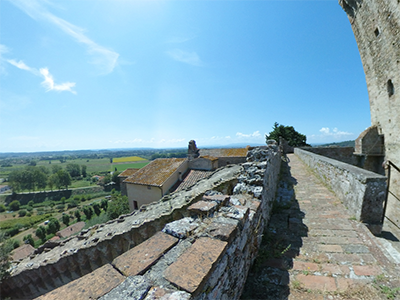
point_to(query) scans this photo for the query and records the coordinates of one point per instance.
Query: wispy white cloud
(21, 65)
(330, 134)
(325, 131)
(104, 58)
(49, 84)
(255, 134)
(190, 58)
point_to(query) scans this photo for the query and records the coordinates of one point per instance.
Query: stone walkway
(319, 251)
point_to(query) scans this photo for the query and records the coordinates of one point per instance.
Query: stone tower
(376, 27)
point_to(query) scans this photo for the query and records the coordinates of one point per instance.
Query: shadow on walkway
(282, 239)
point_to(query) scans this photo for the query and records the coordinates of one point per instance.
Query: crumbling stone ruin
(208, 235)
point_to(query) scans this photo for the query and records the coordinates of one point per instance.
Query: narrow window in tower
(376, 31)
(390, 88)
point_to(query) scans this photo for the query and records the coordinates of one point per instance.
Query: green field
(127, 159)
(123, 167)
(93, 165)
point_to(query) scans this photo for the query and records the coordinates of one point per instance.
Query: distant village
(166, 175)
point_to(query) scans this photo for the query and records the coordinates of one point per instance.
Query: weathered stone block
(181, 228)
(220, 199)
(193, 267)
(134, 287)
(90, 286)
(160, 293)
(137, 260)
(203, 207)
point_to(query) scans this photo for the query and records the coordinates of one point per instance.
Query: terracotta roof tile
(212, 158)
(71, 229)
(224, 152)
(156, 172)
(22, 252)
(192, 178)
(128, 172)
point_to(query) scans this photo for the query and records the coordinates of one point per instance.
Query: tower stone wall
(376, 27)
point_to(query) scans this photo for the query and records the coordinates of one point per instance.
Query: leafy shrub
(14, 205)
(2, 208)
(119, 205)
(22, 213)
(28, 239)
(53, 226)
(24, 221)
(72, 204)
(60, 207)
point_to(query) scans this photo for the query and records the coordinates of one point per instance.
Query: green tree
(115, 177)
(88, 211)
(41, 233)
(106, 179)
(6, 246)
(64, 179)
(104, 204)
(66, 219)
(55, 168)
(74, 170)
(28, 239)
(96, 208)
(14, 205)
(53, 181)
(22, 213)
(53, 226)
(40, 179)
(77, 214)
(15, 180)
(118, 205)
(294, 138)
(2, 208)
(84, 173)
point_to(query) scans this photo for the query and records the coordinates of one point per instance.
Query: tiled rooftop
(156, 172)
(212, 158)
(224, 152)
(70, 230)
(128, 172)
(193, 177)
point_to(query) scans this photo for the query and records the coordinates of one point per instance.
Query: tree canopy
(294, 138)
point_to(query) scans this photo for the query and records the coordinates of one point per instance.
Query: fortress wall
(38, 197)
(376, 27)
(362, 192)
(230, 230)
(343, 154)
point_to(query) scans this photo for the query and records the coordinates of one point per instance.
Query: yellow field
(127, 159)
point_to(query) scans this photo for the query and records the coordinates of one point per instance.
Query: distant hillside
(341, 144)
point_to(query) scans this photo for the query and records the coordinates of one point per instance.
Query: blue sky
(123, 74)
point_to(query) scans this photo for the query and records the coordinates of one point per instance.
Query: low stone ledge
(90, 286)
(362, 192)
(137, 260)
(192, 268)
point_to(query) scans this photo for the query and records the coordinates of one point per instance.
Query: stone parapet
(148, 248)
(361, 191)
(204, 256)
